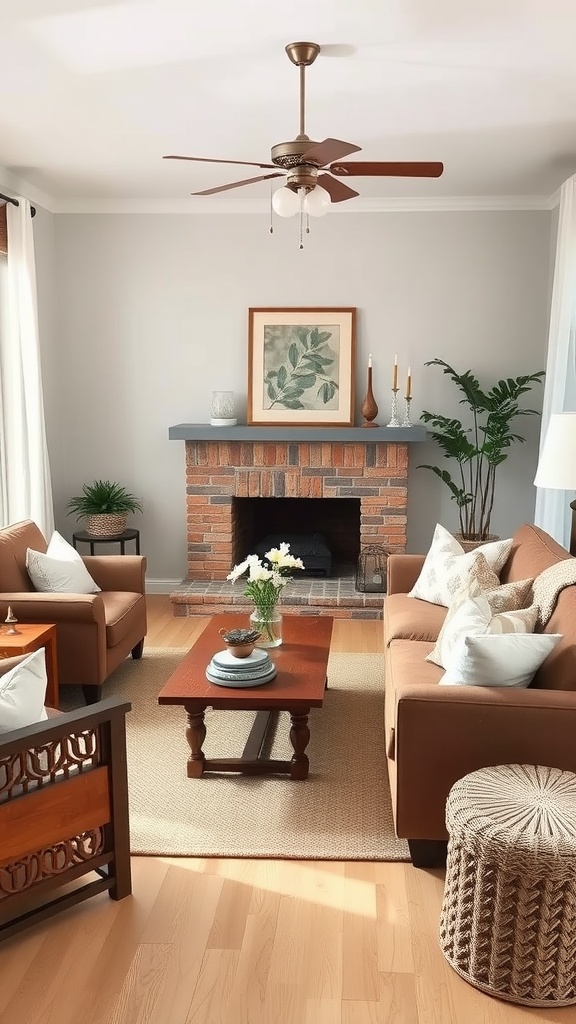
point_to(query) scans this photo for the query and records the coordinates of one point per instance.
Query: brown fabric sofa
(437, 734)
(95, 632)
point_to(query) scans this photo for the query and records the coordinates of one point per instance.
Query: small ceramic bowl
(240, 642)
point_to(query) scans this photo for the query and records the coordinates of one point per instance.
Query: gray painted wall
(148, 314)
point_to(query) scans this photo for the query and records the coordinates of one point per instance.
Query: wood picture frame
(301, 366)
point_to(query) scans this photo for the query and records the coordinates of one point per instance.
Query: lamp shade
(557, 464)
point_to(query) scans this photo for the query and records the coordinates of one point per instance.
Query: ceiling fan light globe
(285, 202)
(317, 202)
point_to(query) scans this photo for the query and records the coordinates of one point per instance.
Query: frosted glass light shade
(557, 464)
(317, 202)
(285, 202)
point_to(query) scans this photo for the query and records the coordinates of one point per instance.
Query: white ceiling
(92, 96)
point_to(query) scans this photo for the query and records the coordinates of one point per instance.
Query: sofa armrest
(402, 572)
(118, 572)
(32, 606)
(444, 732)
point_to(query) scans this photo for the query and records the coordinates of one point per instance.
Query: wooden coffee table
(299, 685)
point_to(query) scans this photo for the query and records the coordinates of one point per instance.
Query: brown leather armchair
(95, 632)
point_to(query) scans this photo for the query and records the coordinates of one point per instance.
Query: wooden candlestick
(369, 409)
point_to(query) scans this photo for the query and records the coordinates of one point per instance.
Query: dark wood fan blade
(387, 169)
(325, 152)
(236, 184)
(209, 160)
(337, 189)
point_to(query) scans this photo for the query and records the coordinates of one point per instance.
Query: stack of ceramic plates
(226, 670)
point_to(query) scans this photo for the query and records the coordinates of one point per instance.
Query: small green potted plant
(479, 448)
(105, 507)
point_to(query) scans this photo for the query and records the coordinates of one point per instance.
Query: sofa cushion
(447, 566)
(60, 570)
(407, 618)
(22, 693)
(505, 659)
(122, 612)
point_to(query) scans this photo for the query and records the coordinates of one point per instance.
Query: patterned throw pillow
(446, 566)
(472, 615)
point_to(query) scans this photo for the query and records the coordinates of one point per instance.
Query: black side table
(118, 538)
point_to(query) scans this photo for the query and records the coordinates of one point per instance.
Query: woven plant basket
(508, 920)
(471, 545)
(107, 524)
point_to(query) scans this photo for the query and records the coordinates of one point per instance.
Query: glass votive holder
(222, 409)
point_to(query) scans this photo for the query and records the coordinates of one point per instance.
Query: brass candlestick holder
(394, 421)
(369, 409)
(10, 621)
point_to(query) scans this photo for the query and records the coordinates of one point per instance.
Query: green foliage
(480, 448)
(102, 496)
(305, 368)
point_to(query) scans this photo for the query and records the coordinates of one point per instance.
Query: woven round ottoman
(508, 919)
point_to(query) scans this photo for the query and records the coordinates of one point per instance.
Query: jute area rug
(341, 812)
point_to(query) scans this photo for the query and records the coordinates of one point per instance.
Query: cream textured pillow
(22, 693)
(61, 570)
(446, 566)
(507, 598)
(471, 615)
(508, 659)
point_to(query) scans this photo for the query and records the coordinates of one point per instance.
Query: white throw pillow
(472, 615)
(447, 565)
(22, 693)
(507, 659)
(61, 570)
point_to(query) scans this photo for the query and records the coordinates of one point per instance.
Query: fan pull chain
(302, 194)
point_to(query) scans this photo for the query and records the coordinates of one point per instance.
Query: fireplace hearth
(354, 489)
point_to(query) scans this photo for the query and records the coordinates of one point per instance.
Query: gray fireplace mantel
(356, 435)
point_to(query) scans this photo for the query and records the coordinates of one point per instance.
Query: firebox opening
(337, 520)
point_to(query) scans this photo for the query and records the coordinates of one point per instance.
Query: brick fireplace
(350, 463)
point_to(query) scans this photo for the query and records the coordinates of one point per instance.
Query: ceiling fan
(306, 163)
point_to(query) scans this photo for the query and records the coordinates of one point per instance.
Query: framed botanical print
(301, 366)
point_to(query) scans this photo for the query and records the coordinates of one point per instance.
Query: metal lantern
(371, 571)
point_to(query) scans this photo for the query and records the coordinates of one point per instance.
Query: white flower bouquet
(265, 584)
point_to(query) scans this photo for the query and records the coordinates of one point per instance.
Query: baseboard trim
(162, 586)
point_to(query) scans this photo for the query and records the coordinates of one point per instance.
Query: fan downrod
(302, 53)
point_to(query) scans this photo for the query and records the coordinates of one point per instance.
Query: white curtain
(25, 474)
(553, 511)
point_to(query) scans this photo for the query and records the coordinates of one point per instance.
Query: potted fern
(478, 449)
(105, 506)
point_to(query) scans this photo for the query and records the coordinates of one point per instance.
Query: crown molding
(209, 206)
(12, 183)
(200, 206)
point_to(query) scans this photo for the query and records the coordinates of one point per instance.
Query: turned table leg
(195, 734)
(299, 738)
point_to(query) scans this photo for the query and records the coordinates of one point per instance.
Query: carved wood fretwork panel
(28, 871)
(45, 764)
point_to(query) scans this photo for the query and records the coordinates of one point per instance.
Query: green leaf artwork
(301, 367)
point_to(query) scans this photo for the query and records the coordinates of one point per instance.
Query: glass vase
(269, 622)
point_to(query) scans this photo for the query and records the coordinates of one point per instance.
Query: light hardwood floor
(250, 941)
